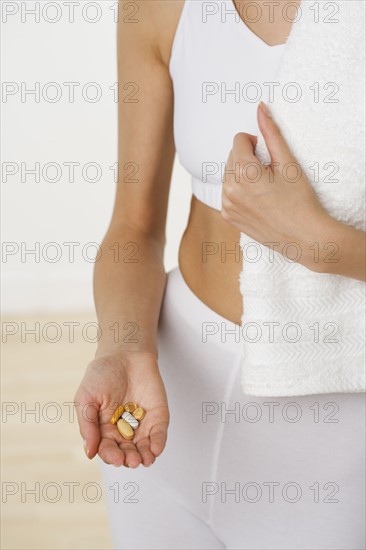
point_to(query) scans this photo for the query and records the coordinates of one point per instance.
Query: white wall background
(50, 128)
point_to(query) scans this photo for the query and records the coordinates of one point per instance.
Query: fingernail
(85, 448)
(265, 109)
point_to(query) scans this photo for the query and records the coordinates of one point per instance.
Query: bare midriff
(210, 261)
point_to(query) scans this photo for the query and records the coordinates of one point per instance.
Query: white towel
(304, 332)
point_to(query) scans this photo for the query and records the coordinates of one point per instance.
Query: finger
(230, 162)
(88, 419)
(143, 446)
(132, 456)
(276, 143)
(110, 452)
(243, 147)
(158, 437)
(245, 164)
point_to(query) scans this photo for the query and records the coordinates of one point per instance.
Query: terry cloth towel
(304, 332)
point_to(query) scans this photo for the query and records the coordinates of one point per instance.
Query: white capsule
(131, 420)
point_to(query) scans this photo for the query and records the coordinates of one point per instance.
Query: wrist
(132, 339)
(127, 354)
(321, 250)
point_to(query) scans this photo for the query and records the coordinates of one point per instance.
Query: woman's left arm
(282, 212)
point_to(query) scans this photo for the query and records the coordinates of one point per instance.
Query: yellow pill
(125, 429)
(139, 413)
(117, 414)
(130, 407)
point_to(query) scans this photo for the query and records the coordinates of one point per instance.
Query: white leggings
(238, 471)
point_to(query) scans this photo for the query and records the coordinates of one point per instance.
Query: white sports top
(221, 70)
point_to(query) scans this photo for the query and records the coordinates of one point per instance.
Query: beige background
(38, 450)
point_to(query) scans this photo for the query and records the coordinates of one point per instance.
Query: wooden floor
(42, 455)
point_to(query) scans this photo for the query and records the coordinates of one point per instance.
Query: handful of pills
(127, 418)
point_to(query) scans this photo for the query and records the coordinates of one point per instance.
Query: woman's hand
(275, 203)
(113, 380)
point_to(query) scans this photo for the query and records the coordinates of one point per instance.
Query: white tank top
(221, 70)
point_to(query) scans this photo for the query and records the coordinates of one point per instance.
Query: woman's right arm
(129, 277)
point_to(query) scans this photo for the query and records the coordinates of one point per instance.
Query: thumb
(87, 411)
(275, 142)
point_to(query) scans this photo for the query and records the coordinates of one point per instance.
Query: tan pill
(117, 414)
(125, 429)
(130, 407)
(139, 413)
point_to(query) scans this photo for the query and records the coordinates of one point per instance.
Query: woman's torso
(219, 64)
